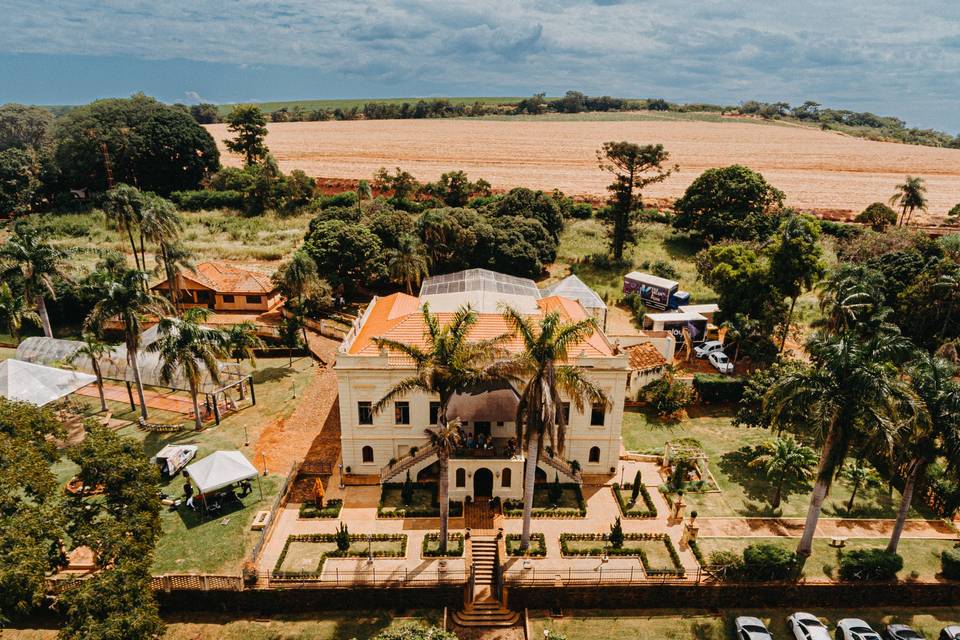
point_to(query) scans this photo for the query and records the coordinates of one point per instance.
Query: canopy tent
(496, 402)
(220, 469)
(115, 366)
(37, 384)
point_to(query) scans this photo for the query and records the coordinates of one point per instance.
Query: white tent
(220, 469)
(37, 384)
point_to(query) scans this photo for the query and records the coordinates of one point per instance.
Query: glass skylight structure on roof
(479, 280)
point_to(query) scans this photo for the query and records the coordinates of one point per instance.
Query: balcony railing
(494, 448)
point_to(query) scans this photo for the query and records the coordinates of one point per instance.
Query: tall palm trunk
(529, 481)
(917, 465)
(853, 496)
(96, 371)
(444, 495)
(133, 247)
(132, 359)
(825, 471)
(44, 317)
(786, 328)
(778, 494)
(197, 422)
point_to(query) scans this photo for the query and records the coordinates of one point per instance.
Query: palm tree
(128, 299)
(860, 475)
(850, 390)
(187, 349)
(408, 265)
(298, 280)
(546, 382)
(851, 301)
(160, 223)
(445, 438)
(173, 259)
(14, 312)
(94, 349)
(363, 193)
(784, 458)
(25, 255)
(910, 196)
(124, 207)
(241, 340)
(934, 381)
(450, 363)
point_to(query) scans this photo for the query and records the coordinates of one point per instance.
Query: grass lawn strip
(302, 550)
(655, 550)
(537, 549)
(331, 509)
(430, 548)
(423, 502)
(570, 505)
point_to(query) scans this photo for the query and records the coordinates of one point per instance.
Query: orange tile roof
(644, 357)
(224, 277)
(398, 317)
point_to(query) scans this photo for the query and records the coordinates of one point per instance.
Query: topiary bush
(715, 387)
(950, 563)
(768, 562)
(870, 564)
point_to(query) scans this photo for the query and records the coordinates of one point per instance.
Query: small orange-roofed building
(224, 287)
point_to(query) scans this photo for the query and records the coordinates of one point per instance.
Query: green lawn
(921, 558)
(340, 625)
(746, 491)
(705, 625)
(422, 497)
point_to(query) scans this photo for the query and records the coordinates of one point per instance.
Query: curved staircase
(484, 607)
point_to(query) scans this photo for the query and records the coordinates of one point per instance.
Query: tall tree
(934, 380)
(547, 377)
(249, 125)
(14, 312)
(860, 475)
(28, 257)
(850, 391)
(784, 458)
(94, 349)
(242, 340)
(187, 351)
(128, 298)
(910, 196)
(19, 181)
(298, 280)
(24, 127)
(123, 206)
(795, 261)
(634, 167)
(449, 363)
(364, 192)
(174, 258)
(160, 224)
(408, 264)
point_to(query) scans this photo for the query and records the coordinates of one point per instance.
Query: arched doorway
(483, 483)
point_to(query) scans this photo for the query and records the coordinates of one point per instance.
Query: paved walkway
(826, 528)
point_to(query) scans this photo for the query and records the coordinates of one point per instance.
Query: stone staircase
(563, 467)
(485, 609)
(389, 472)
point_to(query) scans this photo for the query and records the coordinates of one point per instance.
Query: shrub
(637, 484)
(343, 537)
(584, 211)
(714, 387)
(342, 199)
(954, 211)
(870, 564)
(616, 534)
(556, 490)
(406, 494)
(950, 563)
(668, 397)
(727, 565)
(660, 268)
(414, 631)
(839, 229)
(630, 510)
(330, 509)
(768, 562)
(878, 215)
(201, 200)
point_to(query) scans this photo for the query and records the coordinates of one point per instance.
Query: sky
(892, 57)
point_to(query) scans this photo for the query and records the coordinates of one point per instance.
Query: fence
(393, 577)
(196, 582)
(277, 503)
(602, 575)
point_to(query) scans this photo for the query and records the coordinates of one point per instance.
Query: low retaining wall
(742, 596)
(298, 600)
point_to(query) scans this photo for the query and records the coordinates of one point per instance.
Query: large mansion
(391, 443)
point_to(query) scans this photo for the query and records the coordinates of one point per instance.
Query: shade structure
(489, 403)
(37, 384)
(220, 469)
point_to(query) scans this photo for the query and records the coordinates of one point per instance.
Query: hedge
(537, 548)
(361, 551)
(208, 199)
(950, 563)
(649, 512)
(870, 564)
(715, 387)
(603, 549)
(514, 508)
(768, 562)
(840, 229)
(435, 553)
(456, 508)
(331, 509)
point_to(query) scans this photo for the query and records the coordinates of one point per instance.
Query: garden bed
(331, 509)
(423, 502)
(655, 551)
(431, 546)
(649, 509)
(569, 505)
(537, 549)
(305, 554)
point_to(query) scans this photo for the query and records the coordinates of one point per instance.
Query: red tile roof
(644, 357)
(224, 277)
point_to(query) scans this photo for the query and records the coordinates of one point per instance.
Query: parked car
(720, 362)
(855, 629)
(707, 348)
(750, 628)
(806, 626)
(950, 633)
(901, 632)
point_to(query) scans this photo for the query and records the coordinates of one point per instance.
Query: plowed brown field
(818, 170)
